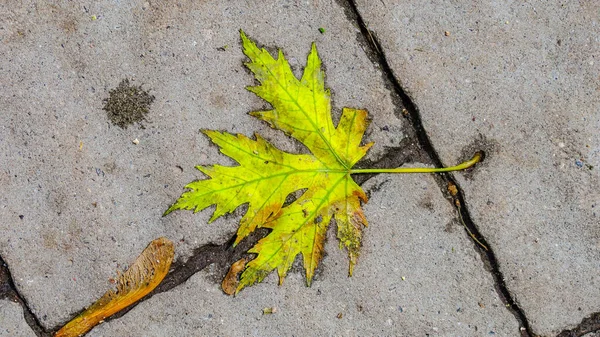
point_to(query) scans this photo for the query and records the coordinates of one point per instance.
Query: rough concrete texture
(418, 275)
(12, 323)
(520, 80)
(78, 198)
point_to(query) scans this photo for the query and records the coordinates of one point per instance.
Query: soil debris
(127, 104)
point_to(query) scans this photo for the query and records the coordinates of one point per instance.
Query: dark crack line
(222, 255)
(225, 254)
(9, 291)
(588, 325)
(415, 118)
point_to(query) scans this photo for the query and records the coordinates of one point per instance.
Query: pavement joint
(588, 325)
(220, 254)
(412, 113)
(9, 292)
(416, 147)
(225, 254)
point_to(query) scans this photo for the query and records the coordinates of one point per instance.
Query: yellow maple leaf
(266, 175)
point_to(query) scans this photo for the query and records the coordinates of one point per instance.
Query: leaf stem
(462, 166)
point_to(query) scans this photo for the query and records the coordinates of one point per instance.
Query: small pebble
(136, 141)
(447, 33)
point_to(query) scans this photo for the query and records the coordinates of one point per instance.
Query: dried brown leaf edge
(141, 278)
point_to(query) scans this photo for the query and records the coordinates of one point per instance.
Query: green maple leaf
(266, 175)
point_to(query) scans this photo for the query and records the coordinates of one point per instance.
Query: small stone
(136, 141)
(447, 33)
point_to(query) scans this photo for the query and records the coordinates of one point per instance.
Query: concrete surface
(89, 198)
(521, 80)
(79, 200)
(410, 254)
(12, 323)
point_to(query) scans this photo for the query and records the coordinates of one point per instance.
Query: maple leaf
(266, 176)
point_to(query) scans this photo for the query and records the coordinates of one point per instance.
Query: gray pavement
(12, 322)
(79, 199)
(414, 277)
(523, 83)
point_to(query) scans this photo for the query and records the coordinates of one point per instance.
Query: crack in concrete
(222, 255)
(8, 291)
(416, 147)
(588, 325)
(225, 254)
(377, 55)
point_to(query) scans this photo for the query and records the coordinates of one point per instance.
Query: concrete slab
(418, 274)
(78, 199)
(521, 81)
(12, 323)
